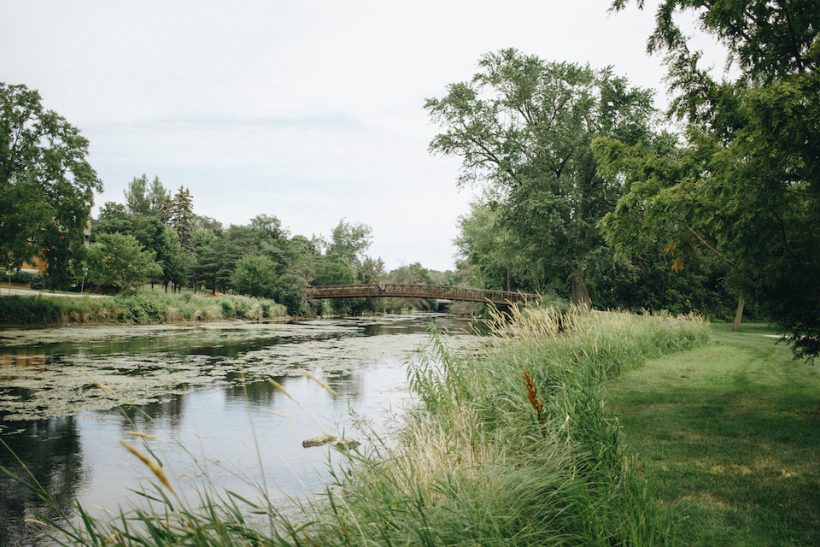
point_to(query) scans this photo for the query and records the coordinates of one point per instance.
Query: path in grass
(729, 435)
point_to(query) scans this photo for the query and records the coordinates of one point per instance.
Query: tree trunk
(579, 294)
(738, 312)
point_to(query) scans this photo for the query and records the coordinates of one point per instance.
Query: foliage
(255, 276)
(150, 200)
(135, 307)
(414, 274)
(525, 126)
(494, 251)
(23, 310)
(46, 184)
(120, 260)
(153, 234)
(21, 277)
(349, 241)
(182, 217)
(748, 180)
(335, 270)
(290, 292)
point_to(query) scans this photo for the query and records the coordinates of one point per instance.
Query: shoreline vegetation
(149, 307)
(139, 309)
(512, 446)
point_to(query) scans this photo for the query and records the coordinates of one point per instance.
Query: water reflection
(53, 459)
(213, 419)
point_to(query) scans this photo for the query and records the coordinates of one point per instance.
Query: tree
(350, 241)
(136, 198)
(46, 184)
(525, 127)
(182, 217)
(334, 270)
(488, 243)
(159, 200)
(120, 260)
(209, 263)
(753, 190)
(371, 270)
(255, 276)
(290, 292)
(176, 261)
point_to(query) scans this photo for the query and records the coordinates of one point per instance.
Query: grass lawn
(729, 437)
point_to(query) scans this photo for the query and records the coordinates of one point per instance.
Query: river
(202, 394)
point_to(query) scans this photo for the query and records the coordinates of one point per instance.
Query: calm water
(67, 396)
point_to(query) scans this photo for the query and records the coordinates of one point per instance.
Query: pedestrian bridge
(406, 290)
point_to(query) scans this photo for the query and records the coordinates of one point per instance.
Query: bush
(22, 277)
(140, 309)
(290, 292)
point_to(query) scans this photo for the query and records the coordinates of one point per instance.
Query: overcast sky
(310, 111)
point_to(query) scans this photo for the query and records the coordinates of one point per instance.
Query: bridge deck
(399, 290)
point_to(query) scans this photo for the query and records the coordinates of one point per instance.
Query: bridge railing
(407, 290)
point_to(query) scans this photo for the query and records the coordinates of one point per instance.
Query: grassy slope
(730, 435)
(142, 308)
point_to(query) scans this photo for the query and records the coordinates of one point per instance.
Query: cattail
(141, 435)
(316, 379)
(281, 389)
(152, 465)
(538, 406)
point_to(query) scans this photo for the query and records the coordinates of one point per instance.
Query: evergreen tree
(182, 217)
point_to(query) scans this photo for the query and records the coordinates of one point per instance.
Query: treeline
(157, 237)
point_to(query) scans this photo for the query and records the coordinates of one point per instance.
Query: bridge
(406, 290)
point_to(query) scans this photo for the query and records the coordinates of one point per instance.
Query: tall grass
(514, 447)
(140, 308)
(510, 447)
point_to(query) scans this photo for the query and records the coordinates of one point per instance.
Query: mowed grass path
(729, 436)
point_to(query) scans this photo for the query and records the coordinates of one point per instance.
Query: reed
(138, 309)
(472, 465)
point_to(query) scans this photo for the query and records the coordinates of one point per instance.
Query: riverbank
(138, 309)
(515, 445)
(729, 435)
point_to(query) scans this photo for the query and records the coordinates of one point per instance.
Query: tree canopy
(745, 183)
(525, 126)
(46, 184)
(120, 260)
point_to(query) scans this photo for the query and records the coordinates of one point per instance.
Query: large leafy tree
(120, 260)
(46, 184)
(751, 184)
(349, 241)
(255, 276)
(525, 127)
